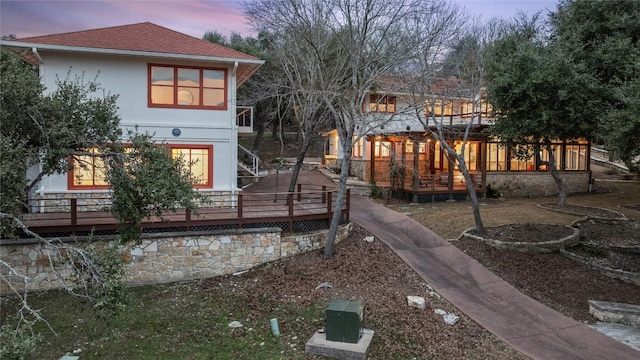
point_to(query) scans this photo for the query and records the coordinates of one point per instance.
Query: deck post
(348, 203)
(188, 219)
(240, 205)
(324, 194)
(74, 212)
(329, 198)
(290, 203)
(299, 192)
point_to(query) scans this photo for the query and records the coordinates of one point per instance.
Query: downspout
(35, 52)
(234, 126)
(40, 188)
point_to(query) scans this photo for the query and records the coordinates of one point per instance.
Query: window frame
(382, 103)
(176, 87)
(71, 185)
(209, 183)
(382, 149)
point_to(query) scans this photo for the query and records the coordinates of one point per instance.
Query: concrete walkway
(534, 329)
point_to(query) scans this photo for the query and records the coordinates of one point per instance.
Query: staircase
(249, 162)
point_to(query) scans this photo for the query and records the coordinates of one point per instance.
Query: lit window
(576, 157)
(382, 149)
(496, 157)
(382, 103)
(544, 157)
(523, 164)
(182, 87)
(439, 108)
(199, 161)
(88, 171)
(470, 154)
(470, 109)
(357, 150)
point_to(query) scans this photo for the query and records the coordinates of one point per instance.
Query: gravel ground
(372, 273)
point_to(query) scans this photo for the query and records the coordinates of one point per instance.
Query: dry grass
(450, 219)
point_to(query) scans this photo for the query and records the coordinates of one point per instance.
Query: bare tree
(348, 45)
(448, 74)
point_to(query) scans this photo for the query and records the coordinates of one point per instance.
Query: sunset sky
(26, 18)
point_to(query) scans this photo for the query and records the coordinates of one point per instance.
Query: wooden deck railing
(309, 203)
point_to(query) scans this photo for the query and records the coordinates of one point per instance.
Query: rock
(416, 301)
(235, 324)
(369, 239)
(324, 285)
(450, 319)
(440, 312)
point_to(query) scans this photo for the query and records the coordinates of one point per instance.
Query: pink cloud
(195, 18)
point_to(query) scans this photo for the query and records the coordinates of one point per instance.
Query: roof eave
(63, 48)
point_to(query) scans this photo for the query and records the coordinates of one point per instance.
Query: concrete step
(627, 314)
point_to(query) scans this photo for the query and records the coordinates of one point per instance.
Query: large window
(358, 147)
(470, 154)
(496, 157)
(422, 147)
(382, 103)
(439, 108)
(199, 160)
(524, 163)
(576, 157)
(187, 87)
(382, 149)
(544, 157)
(472, 108)
(88, 172)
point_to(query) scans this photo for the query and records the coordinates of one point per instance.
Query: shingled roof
(144, 38)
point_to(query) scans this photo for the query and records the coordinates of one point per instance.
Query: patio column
(416, 166)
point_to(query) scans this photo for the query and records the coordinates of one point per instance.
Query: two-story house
(180, 88)
(395, 150)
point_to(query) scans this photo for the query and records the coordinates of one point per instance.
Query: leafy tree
(146, 182)
(603, 37)
(539, 94)
(52, 129)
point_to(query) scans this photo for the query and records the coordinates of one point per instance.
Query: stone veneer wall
(101, 200)
(536, 183)
(167, 257)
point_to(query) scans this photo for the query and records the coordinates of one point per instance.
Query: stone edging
(626, 276)
(622, 217)
(529, 247)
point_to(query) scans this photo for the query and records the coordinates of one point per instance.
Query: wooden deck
(286, 210)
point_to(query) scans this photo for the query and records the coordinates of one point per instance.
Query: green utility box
(344, 321)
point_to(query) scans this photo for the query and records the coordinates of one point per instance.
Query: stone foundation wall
(101, 201)
(536, 183)
(164, 257)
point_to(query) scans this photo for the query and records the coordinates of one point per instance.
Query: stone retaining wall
(165, 257)
(536, 183)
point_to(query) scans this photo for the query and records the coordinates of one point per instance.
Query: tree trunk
(337, 210)
(259, 135)
(562, 186)
(473, 195)
(299, 161)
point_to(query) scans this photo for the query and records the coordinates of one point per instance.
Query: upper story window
(382, 103)
(439, 108)
(187, 87)
(483, 108)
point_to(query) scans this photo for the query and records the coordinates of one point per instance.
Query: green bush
(17, 343)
